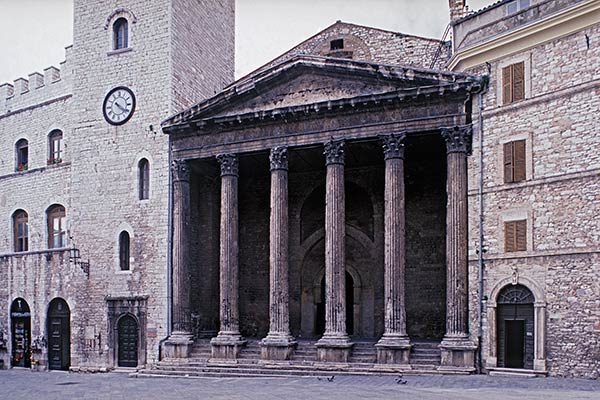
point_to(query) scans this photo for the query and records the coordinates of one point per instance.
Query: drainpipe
(480, 265)
(169, 252)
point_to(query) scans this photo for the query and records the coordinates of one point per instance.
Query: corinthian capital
(458, 139)
(180, 170)
(278, 158)
(228, 163)
(393, 146)
(334, 152)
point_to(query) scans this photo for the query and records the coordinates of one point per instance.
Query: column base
(334, 348)
(227, 345)
(178, 345)
(393, 349)
(277, 347)
(458, 354)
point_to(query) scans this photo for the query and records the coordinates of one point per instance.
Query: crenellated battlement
(37, 88)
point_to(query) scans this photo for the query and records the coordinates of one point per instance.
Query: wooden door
(128, 342)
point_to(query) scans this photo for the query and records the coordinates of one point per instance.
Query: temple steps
(424, 359)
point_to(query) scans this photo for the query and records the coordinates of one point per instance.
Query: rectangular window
(516, 5)
(57, 234)
(515, 236)
(514, 161)
(513, 83)
(337, 44)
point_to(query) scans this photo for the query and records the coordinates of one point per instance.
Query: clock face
(118, 105)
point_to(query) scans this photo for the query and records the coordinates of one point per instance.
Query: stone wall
(372, 45)
(559, 198)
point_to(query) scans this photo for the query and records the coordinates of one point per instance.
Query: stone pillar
(458, 351)
(335, 344)
(539, 351)
(394, 345)
(228, 342)
(180, 342)
(279, 343)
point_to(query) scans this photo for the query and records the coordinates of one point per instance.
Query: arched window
(124, 251)
(120, 32)
(21, 230)
(55, 147)
(144, 179)
(22, 155)
(57, 234)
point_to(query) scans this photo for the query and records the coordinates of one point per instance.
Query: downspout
(169, 252)
(480, 251)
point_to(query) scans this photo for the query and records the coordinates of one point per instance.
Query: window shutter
(509, 237)
(518, 87)
(521, 235)
(519, 160)
(508, 162)
(506, 85)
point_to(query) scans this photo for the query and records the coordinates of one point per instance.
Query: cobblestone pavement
(24, 384)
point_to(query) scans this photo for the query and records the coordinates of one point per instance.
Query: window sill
(37, 169)
(119, 51)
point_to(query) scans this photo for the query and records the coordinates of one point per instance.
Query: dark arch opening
(59, 335)
(20, 320)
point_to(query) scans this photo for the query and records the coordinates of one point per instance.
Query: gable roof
(389, 81)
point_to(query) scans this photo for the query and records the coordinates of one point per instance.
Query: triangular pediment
(308, 80)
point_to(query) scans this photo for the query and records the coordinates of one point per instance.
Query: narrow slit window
(120, 34)
(144, 179)
(124, 251)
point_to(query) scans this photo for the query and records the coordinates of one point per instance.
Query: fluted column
(180, 260)
(394, 345)
(279, 342)
(335, 257)
(180, 342)
(228, 338)
(458, 146)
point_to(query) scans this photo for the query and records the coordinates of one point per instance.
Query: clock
(118, 105)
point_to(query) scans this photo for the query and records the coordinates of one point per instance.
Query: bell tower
(135, 62)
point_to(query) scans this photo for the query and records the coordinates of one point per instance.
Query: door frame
(490, 348)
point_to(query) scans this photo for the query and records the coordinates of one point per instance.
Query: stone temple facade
(369, 199)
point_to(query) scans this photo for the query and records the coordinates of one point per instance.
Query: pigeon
(331, 379)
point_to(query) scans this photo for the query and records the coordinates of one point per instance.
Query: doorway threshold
(515, 372)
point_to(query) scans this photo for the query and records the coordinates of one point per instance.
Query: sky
(34, 33)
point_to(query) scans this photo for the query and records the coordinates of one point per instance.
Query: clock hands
(120, 107)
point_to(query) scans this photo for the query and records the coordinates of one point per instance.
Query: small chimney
(458, 9)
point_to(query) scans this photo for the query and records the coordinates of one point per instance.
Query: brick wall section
(559, 199)
(373, 45)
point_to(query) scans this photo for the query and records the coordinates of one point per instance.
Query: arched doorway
(20, 319)
(59, 335)
(320, 315)
(127, 341)
(516, 327)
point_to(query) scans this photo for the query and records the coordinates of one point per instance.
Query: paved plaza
(24, 384)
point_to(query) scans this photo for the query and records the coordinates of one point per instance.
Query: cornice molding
(528, 36)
